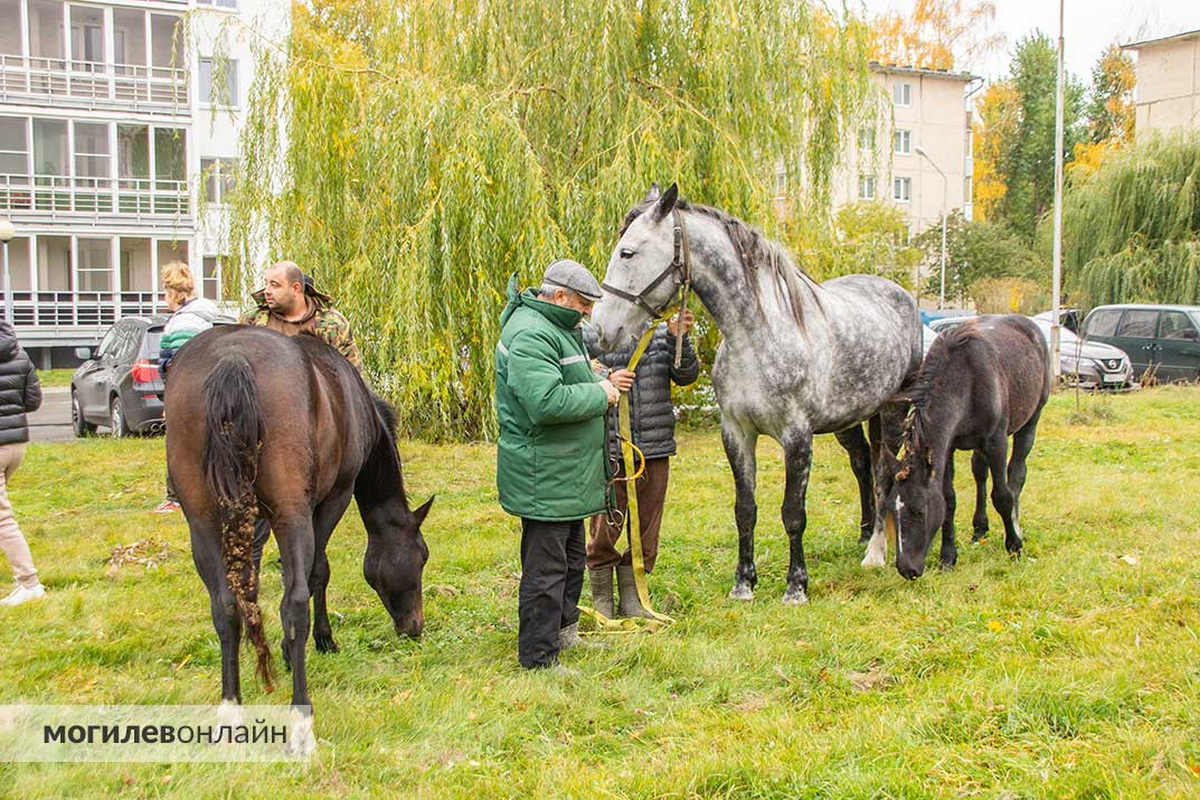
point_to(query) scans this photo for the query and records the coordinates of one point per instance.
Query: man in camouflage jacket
(290, 304)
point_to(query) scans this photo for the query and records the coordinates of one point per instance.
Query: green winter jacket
(550, 462)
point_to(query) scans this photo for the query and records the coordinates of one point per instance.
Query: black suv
(119, 386)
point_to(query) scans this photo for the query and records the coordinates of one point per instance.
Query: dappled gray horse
(798, 357)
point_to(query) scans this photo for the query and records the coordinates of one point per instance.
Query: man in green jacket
(550, 461)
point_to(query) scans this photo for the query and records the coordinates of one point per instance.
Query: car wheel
(80, 425)
(116, 417)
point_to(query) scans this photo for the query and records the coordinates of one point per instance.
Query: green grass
(55, 377)
(1070, 673)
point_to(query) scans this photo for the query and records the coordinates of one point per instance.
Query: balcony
(135, 200)
(44, 319)
(93, 85)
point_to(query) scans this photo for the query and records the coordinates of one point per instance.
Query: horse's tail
(231, 446)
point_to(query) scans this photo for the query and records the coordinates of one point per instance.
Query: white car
(1091, 365)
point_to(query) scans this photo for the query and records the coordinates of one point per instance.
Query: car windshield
(1065, 336)
(150, 344)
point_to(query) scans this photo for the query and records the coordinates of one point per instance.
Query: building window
(219, 177)
(14, 147)
(866, 140)
(902, 190)
(967, 190)
(231, 4)
(866, 187)
(902, 142)
(212, 278)
(219, 82)
(902, 95)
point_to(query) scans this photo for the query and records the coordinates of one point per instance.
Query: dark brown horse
(284, 427)
(979, 384)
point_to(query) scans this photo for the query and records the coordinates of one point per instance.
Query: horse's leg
(740, 450)
(996, 450)
(949, 554)
(979, 469)
(855, 443)
(886, 429)
(1022, 445)
(325, 519)
(206, 554)
(797, 454)
(294, 536)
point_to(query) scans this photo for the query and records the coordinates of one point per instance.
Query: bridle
(680, 268)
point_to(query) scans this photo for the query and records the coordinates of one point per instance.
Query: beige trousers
(11, 541)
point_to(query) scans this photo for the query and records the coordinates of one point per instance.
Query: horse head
(917, 507)
(395, 558)
(644, 272)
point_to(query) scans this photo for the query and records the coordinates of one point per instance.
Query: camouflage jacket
(322, 321)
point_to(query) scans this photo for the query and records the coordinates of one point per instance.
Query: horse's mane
(933, 369)
(381, 472)
(756, 253)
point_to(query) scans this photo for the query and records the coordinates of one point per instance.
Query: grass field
(1072, 673)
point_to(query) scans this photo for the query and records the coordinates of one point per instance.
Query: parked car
(1067, 317)
(950, 323)
(1162, 340)
(1091, 365)
(118, 386)
(928, 334)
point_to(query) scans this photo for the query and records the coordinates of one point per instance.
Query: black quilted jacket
(651, 413)
(20, 389)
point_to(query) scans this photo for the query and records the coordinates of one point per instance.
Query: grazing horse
(981, 383)
(798, 357)
(284, 427)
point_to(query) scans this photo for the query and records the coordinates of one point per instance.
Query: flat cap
(567, 274)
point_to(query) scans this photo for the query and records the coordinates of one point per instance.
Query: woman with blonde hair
(189, 316)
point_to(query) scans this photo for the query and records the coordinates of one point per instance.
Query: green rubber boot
(631, 604)
(602, 590)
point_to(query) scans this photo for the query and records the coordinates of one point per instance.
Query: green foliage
(869, 237)
(1070, 673)
(975, 251)
(1028, 158)
(1131, 232)
(413, 157)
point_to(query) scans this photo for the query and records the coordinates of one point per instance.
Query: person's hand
(675, 325)
(622, 379)
(613, 393)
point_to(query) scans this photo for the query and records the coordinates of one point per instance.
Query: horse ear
(653, 194)
(423, 511)
(666, 203)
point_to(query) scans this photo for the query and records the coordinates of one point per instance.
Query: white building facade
(925, 127)
(1167, 93)
(116, 119)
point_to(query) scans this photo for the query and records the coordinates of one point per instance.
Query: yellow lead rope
(625, 430)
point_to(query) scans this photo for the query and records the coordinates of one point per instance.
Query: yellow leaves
(995, 626)
(929, 37)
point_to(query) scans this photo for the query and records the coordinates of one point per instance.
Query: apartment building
(1167, 93)
(116, 118)
(919, 155)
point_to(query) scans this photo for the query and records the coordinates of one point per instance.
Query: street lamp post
(7, 232)
(945, 191)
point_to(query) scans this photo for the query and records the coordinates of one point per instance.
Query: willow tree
(412, 155)
(1132, 229)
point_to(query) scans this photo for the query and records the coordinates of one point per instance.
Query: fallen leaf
(1130, 560)
(996, 626)
(866, 681)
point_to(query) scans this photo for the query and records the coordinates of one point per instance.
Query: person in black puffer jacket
(20, 393)
(652, 423)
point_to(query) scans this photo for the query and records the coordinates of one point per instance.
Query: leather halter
(680, 267)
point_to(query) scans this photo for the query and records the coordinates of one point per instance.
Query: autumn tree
(1110, 107)
(997, 118)
(415, 154)
(938, 34)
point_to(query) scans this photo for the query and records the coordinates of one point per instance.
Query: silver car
(1091, 365)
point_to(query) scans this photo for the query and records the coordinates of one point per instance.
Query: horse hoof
(229, 713)
(795, 597)
(947, 566)
(325, 643)
(301, 739)
(873, 560)
(979, 537)
(741, 591)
